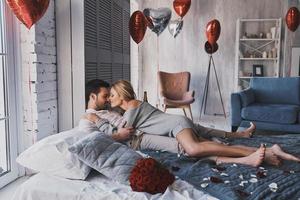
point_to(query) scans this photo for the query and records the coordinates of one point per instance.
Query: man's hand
(123, 134)
(92, 117)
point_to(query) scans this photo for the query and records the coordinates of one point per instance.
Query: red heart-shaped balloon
(137, 26)
(292, 18)
(181, 7)
(213, 30)
(28, 11)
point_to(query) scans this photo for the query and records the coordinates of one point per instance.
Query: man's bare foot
(271, 158)
(276, 149)
(248, 132)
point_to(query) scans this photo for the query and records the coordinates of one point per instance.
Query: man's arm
(103, 125)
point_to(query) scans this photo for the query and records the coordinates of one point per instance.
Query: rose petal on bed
(273, 187)
(204, 185)
(214, 169)
(261, 174)
(241, 177)
(220, 168)
(253, 180)
(224, 174)
(242, 193)
(216, 179)
(262, 168)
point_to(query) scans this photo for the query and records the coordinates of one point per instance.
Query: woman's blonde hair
(124, 89)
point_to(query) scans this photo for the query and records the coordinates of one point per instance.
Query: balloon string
(157, 79)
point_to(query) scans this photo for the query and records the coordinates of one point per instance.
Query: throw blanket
(232, 181)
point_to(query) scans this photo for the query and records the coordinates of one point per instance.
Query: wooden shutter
(107, 42)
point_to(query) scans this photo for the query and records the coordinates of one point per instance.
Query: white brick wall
(39, 82)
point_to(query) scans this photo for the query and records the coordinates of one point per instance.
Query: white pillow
(50, 155)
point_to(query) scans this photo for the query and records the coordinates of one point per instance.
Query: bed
(204, 180)
(97, 187)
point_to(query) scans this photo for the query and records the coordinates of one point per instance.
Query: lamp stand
(205, 92)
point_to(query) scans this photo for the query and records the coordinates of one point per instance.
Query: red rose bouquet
(150, 176)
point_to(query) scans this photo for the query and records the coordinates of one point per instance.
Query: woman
(148, 119)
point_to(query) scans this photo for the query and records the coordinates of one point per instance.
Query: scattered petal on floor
(226, 182)
(253, 176)
(234, 165)
(241, 177)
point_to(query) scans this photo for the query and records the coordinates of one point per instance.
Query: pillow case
(44, 156)
(110, 158)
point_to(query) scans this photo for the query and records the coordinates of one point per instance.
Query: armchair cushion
(247, 97)
(185, 101)
(275, 113)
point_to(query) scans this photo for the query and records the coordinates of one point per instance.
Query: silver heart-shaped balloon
(175, 27)
(158, 19)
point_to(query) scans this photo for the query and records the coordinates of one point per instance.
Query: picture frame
(258, 70)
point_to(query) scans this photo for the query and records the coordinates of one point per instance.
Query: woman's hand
(124, 134)
(92, 117)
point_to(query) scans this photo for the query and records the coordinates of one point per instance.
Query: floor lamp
(205, 92)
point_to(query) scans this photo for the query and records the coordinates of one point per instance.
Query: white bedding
(97, 187)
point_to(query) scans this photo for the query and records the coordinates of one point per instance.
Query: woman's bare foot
(246, 133)
(276, 149)
(254, 159)
(271, 158)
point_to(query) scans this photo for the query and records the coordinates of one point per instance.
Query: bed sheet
(97, 187)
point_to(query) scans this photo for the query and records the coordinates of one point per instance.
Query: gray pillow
(110, 158)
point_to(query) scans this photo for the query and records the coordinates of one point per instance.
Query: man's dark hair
(93, 86)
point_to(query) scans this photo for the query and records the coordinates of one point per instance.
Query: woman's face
(114, 98)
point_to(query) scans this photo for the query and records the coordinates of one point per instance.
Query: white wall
(38, 63)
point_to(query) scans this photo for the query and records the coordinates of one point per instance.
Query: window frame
(13, 92)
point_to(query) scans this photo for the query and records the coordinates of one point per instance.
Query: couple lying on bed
(149, 128)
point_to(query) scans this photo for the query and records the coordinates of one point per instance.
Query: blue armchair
(271, 103)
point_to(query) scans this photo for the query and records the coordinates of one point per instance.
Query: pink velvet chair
(174, 89)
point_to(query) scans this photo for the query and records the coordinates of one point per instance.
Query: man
(112, 123)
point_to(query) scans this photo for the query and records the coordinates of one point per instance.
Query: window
(8, 103)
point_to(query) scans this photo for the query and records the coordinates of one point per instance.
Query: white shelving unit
(257, 43)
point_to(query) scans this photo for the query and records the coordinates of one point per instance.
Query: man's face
(101, 99)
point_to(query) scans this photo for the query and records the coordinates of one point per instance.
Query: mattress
(97, 187)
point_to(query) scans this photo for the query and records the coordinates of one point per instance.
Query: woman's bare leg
(195, 146)
(270, 157)
(255, 159)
